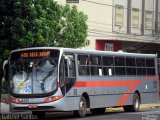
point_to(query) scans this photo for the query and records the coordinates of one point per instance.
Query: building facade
(128, 25)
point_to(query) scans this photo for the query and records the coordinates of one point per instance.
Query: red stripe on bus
(125, 97)
(115, 83)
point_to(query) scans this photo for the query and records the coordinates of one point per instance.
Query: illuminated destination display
(35, 54)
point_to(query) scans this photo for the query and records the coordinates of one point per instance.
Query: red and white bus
(63, 79)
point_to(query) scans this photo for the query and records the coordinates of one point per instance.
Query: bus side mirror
(6, 70)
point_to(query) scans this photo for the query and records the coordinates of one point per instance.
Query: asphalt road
(152, 114)
(145, 114)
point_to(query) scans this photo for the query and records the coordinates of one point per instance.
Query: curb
(6, 101)
(150, 106)
(142, 107)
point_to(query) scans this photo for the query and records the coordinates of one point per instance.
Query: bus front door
(67, 73)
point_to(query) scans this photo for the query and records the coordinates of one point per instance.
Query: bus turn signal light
(52, 98)
(14, 100)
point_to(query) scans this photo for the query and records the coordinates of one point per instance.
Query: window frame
(135, 20)
(72, 1)
(119, 18)
(148, 25)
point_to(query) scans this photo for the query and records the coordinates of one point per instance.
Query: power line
(101, 33)
(104, 4)
(148, 43)
(98, 3)
(99, 23)
(116, 32)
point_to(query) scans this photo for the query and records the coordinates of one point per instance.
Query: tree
(29, 23)
(6, 22)
(74, 28)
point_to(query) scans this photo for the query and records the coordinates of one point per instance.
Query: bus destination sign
(35, 54)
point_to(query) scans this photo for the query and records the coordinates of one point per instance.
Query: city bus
(50, 79)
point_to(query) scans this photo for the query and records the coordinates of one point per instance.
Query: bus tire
(135, 106)
(39, 114)
(97, 111)
(82, 108)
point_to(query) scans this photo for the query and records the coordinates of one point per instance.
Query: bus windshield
(34, 75)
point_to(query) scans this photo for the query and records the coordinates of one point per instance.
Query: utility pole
(129, 8)
(142, 20)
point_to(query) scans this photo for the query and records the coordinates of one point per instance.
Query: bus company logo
(152, 116)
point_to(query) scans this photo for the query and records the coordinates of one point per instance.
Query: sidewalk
(152, 105)
(4, 98)
(142, 107)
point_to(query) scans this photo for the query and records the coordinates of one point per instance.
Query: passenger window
(108, 71)
(150, 63)
(131, 71)
(108, 61)
(83, 60)
(140, 62)
(151, 71)
(119, 61)
(120, 71)
(141, 71)
(83, 70)
(96, 70)
(95, 65)
(130, 61)
(83, 65)
(95, 60)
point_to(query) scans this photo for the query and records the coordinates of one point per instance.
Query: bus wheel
(82, 108)
(135, 106)
(97, 111)
(39, 114)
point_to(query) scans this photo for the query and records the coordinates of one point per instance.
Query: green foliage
(4, 87)
(74, 29)
(29, 23)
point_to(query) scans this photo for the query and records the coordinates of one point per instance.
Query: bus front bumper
(58, 105)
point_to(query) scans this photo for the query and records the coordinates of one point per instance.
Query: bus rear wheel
(97, 111)
(82, 108)
(135, 106)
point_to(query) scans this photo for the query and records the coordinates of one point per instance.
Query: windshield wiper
(43, 81)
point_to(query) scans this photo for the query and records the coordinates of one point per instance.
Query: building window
(119, 15)
(72, 1)
(148, 19)
(135, 18)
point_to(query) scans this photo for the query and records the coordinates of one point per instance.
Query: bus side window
(95, 65)
(83, 65)
(108, 65)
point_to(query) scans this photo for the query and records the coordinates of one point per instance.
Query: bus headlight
(14, 100)
(52, 98)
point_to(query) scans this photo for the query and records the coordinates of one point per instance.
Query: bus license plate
(26, 101)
